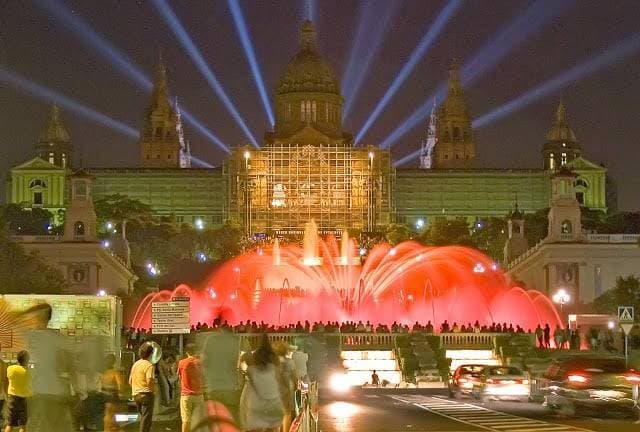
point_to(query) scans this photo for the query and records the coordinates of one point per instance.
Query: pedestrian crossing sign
(626, 314)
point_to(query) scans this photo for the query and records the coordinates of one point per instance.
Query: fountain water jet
(405, 283)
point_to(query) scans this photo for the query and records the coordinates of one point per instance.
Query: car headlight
(339, 382)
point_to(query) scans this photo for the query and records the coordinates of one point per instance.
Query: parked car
(599, 383)
(462, 379)
(502, 383)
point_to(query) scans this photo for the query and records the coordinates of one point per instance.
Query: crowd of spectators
(133, 337)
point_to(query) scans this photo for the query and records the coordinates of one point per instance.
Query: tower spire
(308, 37)
(456, 147)
(54, 142)
(561, 113)
(160, 141)
(426, 150)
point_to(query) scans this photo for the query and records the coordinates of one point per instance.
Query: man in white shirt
(142, 386)
(300, 359)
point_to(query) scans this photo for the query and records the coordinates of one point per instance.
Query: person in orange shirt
(112, 384)
(191, 381)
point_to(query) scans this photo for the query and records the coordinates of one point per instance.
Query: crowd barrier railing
(307, 419)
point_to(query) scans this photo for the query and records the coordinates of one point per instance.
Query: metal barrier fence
(307, 419)
(387, 340)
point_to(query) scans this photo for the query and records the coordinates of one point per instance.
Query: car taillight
(633, 378)
(577, 378)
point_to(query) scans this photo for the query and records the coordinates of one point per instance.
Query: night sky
(603, 107)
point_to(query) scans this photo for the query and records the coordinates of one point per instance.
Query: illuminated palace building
(308, 167)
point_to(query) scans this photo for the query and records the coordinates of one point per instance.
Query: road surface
(374, 411)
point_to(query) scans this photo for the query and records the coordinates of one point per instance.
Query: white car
(502, 383)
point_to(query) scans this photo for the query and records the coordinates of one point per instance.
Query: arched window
(447, 136)
(563, 159)
(552, 161)
(582, 183)
(566, 227)
(78, 228)
(456, 133)
(37, 183)
(158, 133)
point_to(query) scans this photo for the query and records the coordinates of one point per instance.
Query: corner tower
(562, 145)
(455, 147)
(54, 142)
(160, 143)
(308, 93)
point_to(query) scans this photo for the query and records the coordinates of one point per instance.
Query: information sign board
(170, 317)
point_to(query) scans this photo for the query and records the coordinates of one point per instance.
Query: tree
(490, 236)
(26, 273)
(625, 293)
(536, 226)
(121, 209)
(395, 233)
(443, 232)
(25, 221)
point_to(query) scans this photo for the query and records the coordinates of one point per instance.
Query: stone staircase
(359, 366)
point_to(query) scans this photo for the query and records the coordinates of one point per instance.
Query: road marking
(483, 418)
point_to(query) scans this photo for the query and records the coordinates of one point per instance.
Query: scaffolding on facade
(278, 188)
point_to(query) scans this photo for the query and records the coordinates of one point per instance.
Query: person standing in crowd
(112, 385)
(220, 364)
(261, 407)
(547, 336)
(300, 359)
(3, 386)
(143, 387)
(191, 381)
(287, 381)
(19, 389)
(558, 337)
(540, 336)
(375, 379)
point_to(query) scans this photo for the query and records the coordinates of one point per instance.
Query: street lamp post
(561, 297)
(247, 191)
(371, 204)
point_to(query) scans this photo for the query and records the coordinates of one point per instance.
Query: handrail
(448, 339)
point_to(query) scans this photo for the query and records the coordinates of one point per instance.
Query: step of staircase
(359, 366)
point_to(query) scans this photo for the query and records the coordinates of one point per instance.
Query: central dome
(307, 72)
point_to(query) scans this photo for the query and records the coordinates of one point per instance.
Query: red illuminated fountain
(325, 280)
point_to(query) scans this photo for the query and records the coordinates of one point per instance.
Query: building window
(169, 156)
(326, 112)
(180, 219)
(563, 160)
(302, 111)
(552, 161)
(80, 189)
(78, 228)
(37, 183)
(37, 199)
(456, 133)
(566, 227)
(64, 160)
(313, 110)
(580, 197)
(582, 183)
(52, 159)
